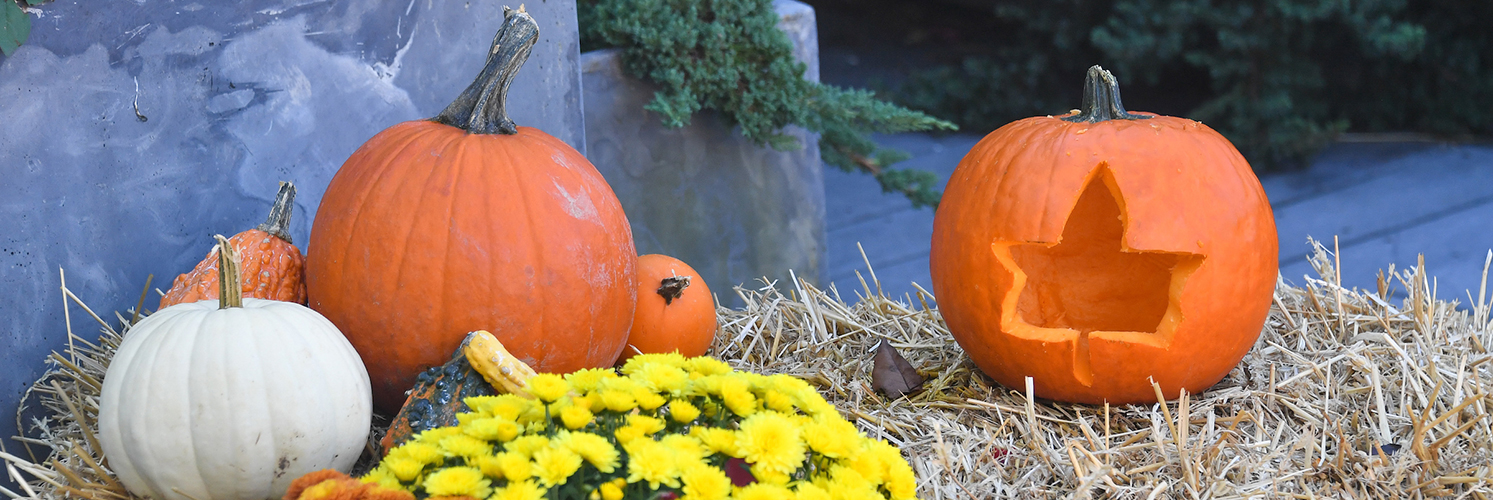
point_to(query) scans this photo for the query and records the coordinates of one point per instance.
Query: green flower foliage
(729, 56)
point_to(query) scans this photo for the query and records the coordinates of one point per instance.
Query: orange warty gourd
(675, 310)
(272, 267)
(435, 228)
(1100, 250)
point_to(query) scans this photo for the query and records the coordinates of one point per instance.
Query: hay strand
(1348, 393)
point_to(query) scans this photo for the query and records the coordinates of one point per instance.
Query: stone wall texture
(133, 130)
(734, 211)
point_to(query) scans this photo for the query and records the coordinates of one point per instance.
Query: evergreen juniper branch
(728, 55)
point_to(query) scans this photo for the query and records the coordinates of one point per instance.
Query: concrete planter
(734, 211)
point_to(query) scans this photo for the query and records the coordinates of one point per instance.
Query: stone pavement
(1386, 202)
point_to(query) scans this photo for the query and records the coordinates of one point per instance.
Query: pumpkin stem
(672, 288)
(1101, 99)
(278, 223)
(230, 292)
(482, 107)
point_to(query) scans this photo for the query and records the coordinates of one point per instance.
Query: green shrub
(728, 55)
(1281, 78)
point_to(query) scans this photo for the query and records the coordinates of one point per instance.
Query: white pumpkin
(207, 401)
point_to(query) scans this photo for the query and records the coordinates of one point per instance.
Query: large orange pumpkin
(675, 312)
(1100, 250)
(464, 222)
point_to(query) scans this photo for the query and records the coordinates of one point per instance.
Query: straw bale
(1348, 394)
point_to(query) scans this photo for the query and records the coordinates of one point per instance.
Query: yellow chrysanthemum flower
(456, 482)
(576, 416)
(663, 378)
(818, 407)
(434, 436)
(703, 482)
(899, 479)
(769, 476)
(515, 467)
(636, 363)
(686, 449)
(589, 379)
(901, 482)
(868, 465)
(788, 384)
(462, 445)
(610, 491)
(595, 449)
(618, 401)
(707, 366)
(490, 428)
(770, 441)
(403, 468)
(508, 406)
(627, 433)
(489, 465)
(648, 424)
(590, 401)
(778, 401)
(423, 453)
(554, 465)
(845, 482)
(832, 437)
(717, 440)
(383, 477)
(682, 411)
(520, 490)
(810, 491)
(736, 392)
(548, 387)
(705, 386)
(647, 399)
(763, 491)
(527, 445)
(652, 462)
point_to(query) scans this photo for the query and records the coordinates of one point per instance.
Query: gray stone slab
(1414, 204)
(734, 211)
(896, 236)
(133, 131)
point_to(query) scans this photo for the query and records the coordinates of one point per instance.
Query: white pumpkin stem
(230, 292)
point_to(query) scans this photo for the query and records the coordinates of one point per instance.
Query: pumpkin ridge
(540, 309)
(413, 220)
(452, 155)
(378, 175)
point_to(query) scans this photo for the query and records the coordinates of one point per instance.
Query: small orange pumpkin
(272, 267)
(435, 228)
(1101, 250)
(675, 310)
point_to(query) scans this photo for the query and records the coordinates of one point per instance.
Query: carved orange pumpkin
(436, 228)
(1099, 250)
(675, 312)
(273, 268)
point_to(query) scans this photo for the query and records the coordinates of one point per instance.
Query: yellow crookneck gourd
(501, 368)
